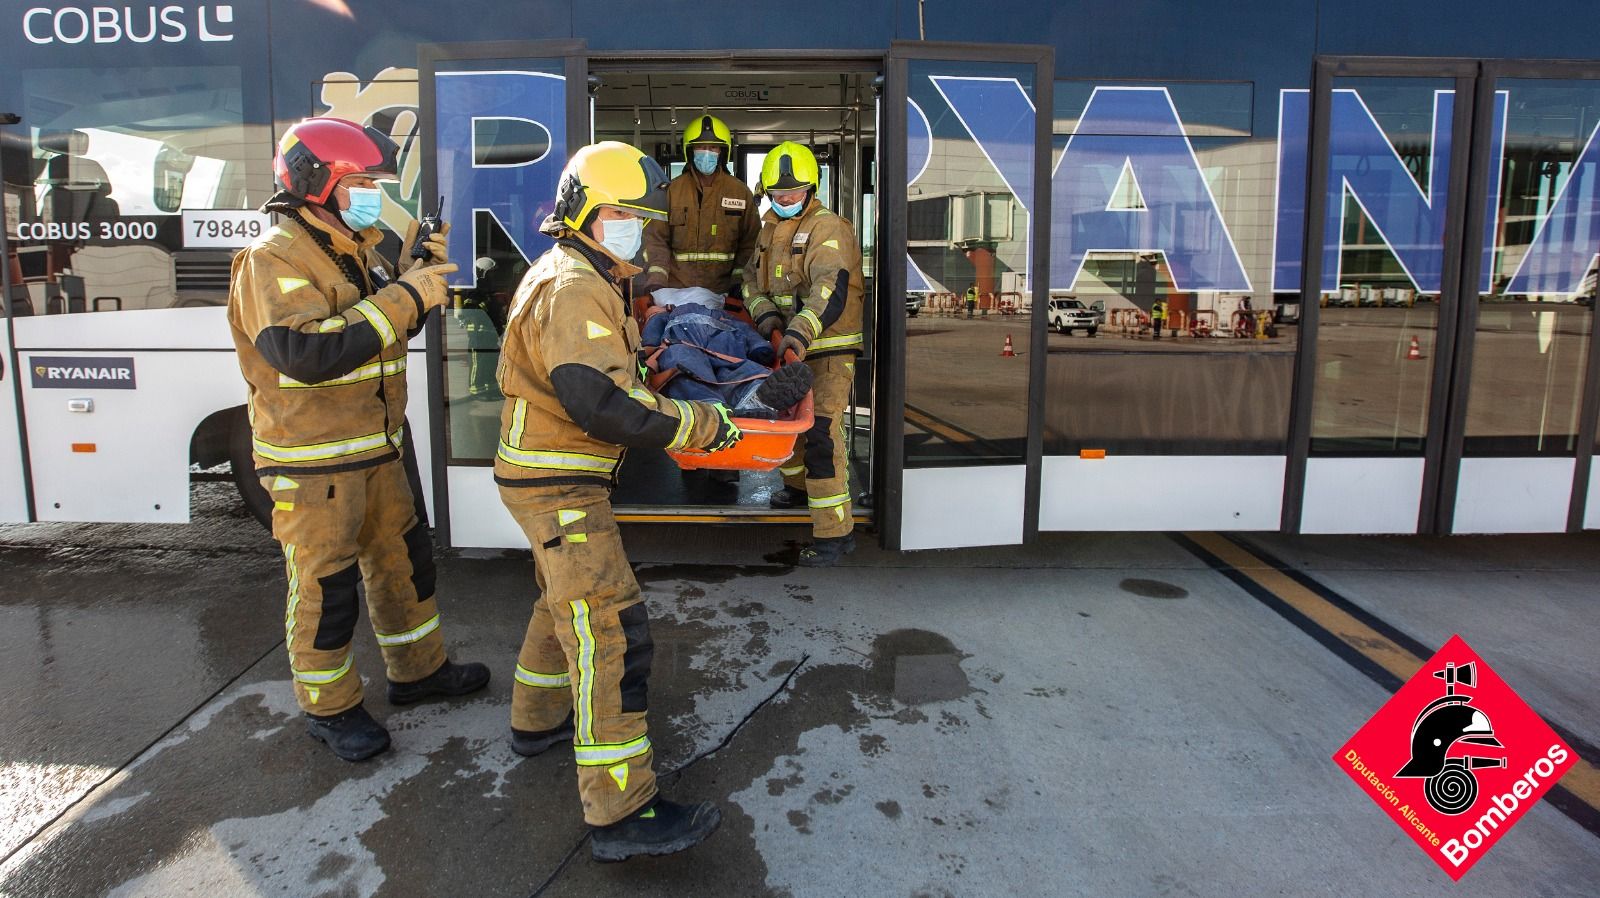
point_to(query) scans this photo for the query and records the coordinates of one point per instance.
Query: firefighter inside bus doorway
(805, 280)
(321, 322)
(575, 400)
(711, 227)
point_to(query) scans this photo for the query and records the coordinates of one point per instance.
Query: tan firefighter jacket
(708, 237)
(807, 271)
(322, 346)
(569, 368)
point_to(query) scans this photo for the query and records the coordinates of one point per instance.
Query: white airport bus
(1433, 371)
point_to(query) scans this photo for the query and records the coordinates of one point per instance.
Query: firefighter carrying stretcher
(575, 401)
(806, 280)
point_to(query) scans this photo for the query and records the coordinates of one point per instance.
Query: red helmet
(314, 154)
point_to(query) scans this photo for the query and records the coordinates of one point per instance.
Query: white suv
(1068, 315)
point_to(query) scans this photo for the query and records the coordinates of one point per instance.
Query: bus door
(498, 121)
(965, 192)
(1447, 379)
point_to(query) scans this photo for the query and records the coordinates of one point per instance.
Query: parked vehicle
(1068, 315)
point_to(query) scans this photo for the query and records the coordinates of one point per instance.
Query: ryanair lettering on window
(1126, 141)
(56, 372)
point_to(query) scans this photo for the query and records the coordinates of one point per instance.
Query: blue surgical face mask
(623, 237)
(366, 205)
(705, 161)
(790, 210)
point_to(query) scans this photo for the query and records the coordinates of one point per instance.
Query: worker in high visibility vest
(1158, 317)
(972, 299)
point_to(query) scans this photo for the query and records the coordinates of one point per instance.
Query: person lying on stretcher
(703, 353)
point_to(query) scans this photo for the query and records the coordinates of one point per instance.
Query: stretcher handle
(787, 358)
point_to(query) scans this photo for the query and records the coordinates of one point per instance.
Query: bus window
(135, 187)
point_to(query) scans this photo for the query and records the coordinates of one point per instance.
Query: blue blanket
(719, 358)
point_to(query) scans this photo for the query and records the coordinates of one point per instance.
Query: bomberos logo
(56, 372)
(168, 23)
(1455, 763)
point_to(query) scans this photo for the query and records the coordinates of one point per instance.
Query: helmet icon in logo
(1443, 743)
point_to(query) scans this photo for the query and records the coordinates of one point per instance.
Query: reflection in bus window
(117, 161)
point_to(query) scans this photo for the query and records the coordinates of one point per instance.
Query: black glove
(785, 387)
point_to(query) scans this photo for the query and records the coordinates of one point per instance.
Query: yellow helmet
(610, 174)
(789, 166)
(707, 129)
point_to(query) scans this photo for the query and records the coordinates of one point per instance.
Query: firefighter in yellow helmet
(321, 322)
(575, 401)
(712, 220)
(806, 280)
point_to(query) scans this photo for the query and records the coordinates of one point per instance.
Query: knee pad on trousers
(419, 547)
(341, 606)
(819, 449)
(635, 621)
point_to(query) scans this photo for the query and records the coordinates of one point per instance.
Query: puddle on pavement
(915, 667)
(1153, 589)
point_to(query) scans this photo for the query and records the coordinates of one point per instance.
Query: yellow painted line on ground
(1356, 634)
(1583, 780)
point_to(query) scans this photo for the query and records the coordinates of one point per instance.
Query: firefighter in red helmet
(321, 322)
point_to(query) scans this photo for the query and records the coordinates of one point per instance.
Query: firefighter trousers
(341, 532)
(821, 462)
(588, 648)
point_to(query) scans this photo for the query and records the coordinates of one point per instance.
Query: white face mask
(623, 237)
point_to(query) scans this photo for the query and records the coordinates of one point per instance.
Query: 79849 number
(226, 229)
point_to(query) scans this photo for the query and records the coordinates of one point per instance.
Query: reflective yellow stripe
(294, 598)
(836, 342)
(829, 501)
(816, 323)
(785, 301)
(412, 635)
(643, 396)
(703, 257)
(320, 451)
(800, 469)
(324, 677)
(603, 755)
(380, 321)
(519, 422)
(364, 373)
(283, 506)
(557, 461)
(331, 324)
(685, 425)
(753, 306)
(584, 706)
(543, 680)
(398, 437)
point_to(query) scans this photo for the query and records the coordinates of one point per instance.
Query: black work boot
(788, 497)
(826, 551)
(662, 827)
(451, 679)
(353, 734)
(536, 742)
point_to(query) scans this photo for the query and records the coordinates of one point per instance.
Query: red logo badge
(1455, 757)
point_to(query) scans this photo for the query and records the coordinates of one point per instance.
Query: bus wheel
(256, 499)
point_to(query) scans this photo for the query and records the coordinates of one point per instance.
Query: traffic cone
(1008, 352)
(1415, 352)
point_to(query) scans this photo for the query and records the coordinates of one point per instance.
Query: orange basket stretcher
(767, 443)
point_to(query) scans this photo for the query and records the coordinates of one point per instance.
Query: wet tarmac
(1096, 715)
